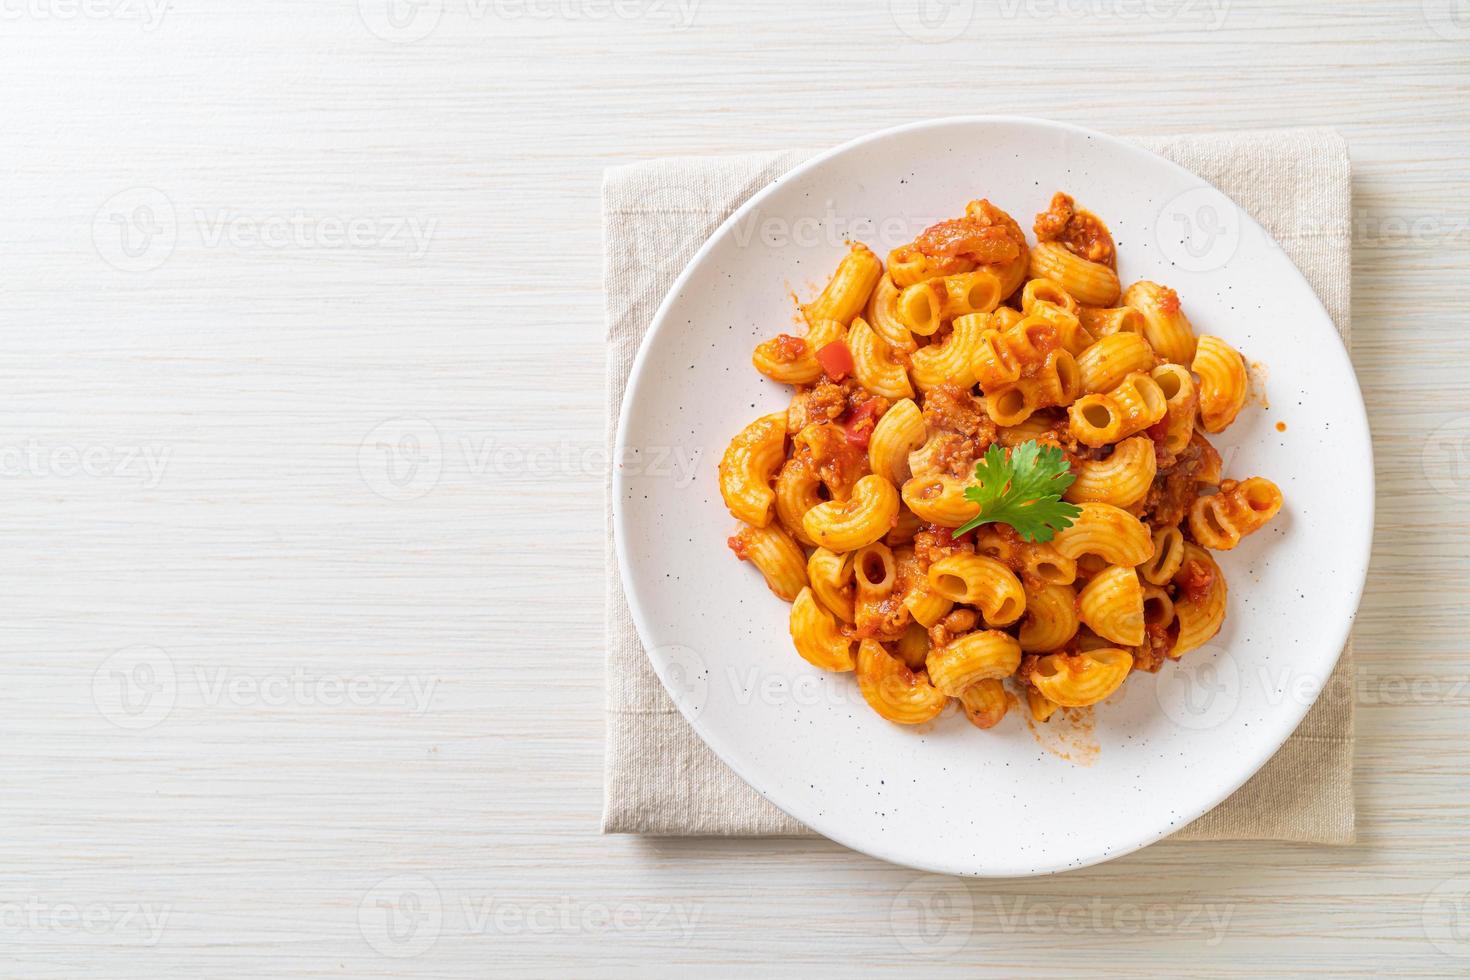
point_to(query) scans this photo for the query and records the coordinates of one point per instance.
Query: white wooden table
(301, 376)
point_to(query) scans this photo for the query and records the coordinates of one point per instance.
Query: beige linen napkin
(660, 778)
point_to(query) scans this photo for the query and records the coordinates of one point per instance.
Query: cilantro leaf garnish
(1024, 491)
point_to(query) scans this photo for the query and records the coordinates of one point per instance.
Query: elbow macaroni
(1106, 321)
(798, 490)
(1111, 533)
(909, 266)
(1051, 618)
(874, 365)
(1090, 283)
(1200, 609)
(1219, 521)
(893, 690)
(1132, 406)
(1180, 401)
(1056, 383)
(926, 605)
(1165, 326)
(748, 466)
(830, 575)
(1111, 605)
(1081, 679)
(816, 636)
(883, 317)
(985, 702)
(951, 359)
(1121, 480)
(1044, 295)
(898, 433)
(969, 293)
(970, 659)
(848, 290)
(858, 521)
(981, 582)
(1111, 359)
(777, 555)
(1168, 555)
(792, 360)
(1222, 383)
(939, 500)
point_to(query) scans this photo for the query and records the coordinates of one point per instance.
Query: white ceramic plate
(948, 797)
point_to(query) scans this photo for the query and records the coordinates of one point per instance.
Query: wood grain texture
(381, 754)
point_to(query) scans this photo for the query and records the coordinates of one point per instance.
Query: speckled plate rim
(1285, 722)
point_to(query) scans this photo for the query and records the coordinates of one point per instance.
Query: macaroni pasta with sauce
(972, 337)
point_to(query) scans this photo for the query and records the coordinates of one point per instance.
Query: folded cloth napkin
(660, 778)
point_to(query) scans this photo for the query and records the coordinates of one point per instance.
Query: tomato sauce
(788, 349)
(836, 360)
(1081, 232)
(1195, 580)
